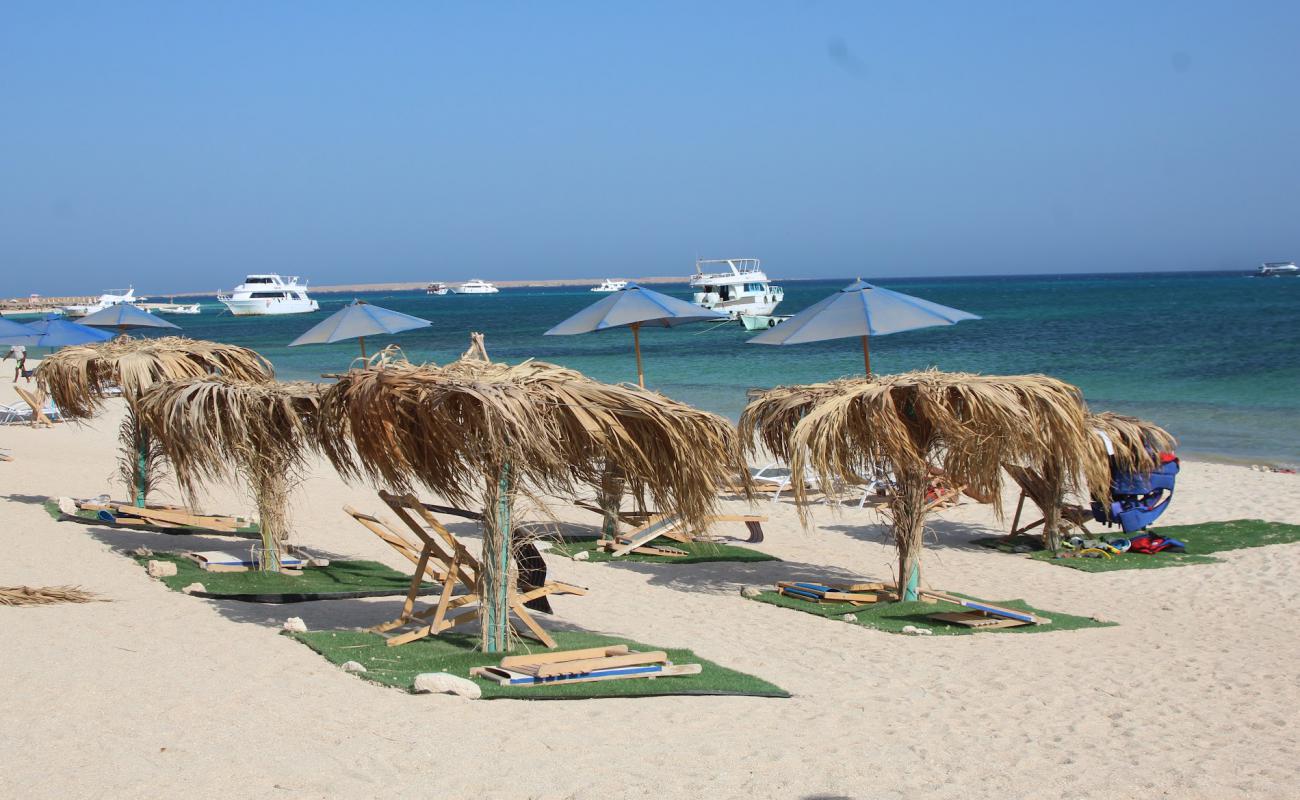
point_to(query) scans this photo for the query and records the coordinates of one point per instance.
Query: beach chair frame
(37, 404)
(439, 556)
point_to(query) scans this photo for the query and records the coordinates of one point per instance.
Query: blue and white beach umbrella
(16, 333)
(57, 332)
(357, 320)
(863, 310)
(124, 317)
(632, 307)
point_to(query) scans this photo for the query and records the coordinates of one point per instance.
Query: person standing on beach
(19, 353)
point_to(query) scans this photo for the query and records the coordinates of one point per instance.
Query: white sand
(157, 694)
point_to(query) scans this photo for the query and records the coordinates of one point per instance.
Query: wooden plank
(585, 665)
(510, 662)
(975, 619)
(183, 518)
(977, 605)
(644, 535)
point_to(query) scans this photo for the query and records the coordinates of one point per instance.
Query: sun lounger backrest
(443, 542)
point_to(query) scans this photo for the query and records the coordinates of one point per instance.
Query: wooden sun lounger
(582, 666)
(438, 554)
(37, 404)
(1071, 515)
(671, 527)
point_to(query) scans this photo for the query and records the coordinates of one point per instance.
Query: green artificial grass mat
(892, 617)
(1202, 539)
(85, 517)
(697, 552)
(456, 653)
(341, 579)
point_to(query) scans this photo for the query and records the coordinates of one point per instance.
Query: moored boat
(610, 285)
(741, 288)
(106, 300)
(1276, 269)
(761, 322)
(268, 294)
(436, 288)
(475, 286)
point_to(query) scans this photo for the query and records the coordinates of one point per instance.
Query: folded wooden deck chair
(1033, 487)
(671, 527)
(440, 556)
(40, 410)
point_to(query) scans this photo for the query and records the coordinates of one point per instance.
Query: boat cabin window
(267, 295)
(254, 279)
(754, 287)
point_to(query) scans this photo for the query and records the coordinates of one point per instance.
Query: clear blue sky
(179, 145)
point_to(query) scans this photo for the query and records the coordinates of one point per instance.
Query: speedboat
(476, 286)
(610, 285)
(1274, 269)
(436, 288)
(106, 300)
(734, 286)
(268, 294)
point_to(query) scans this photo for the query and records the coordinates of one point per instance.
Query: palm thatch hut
(914, 425)
(477, 432)
(80, 378)
(215, 428)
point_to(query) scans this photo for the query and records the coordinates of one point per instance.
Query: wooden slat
(605, 662)
(510, 662)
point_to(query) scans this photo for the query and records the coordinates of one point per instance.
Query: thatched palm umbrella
(914, 424)
(480, 431)
(79, 379)
(216, 428)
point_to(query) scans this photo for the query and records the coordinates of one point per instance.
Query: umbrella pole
(866, 356)
(362, 339)
(636, 345)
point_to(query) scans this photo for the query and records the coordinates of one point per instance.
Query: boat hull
(269, 307)
(760, 322)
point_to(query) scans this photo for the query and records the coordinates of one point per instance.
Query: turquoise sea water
(1212, 357)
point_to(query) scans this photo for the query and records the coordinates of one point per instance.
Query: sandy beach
(156, 693)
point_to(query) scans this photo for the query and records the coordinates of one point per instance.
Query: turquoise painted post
(911, 591)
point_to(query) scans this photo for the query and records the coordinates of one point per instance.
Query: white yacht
(436, 288)
(610, 285)
(106, 300)
(734, 286)
(268, 294)
(1273, 269)
(475, 286)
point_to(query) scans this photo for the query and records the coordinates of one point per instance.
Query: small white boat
(106, 300)
(761, 322)
(475, 286)
(1276, 269)
(261, 295)
(742, 288)
(436, 288)
(610, 285)
(175, 308)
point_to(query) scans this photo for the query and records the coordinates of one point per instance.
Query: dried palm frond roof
(450, 427)
(80, 378)
(212, 425)
(1138, 443)
(971, 424)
